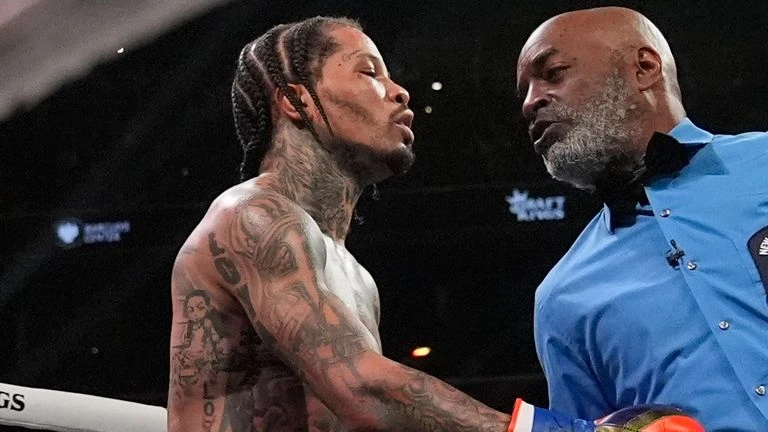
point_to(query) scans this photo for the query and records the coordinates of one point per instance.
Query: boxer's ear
(299, 94)
(648, 68)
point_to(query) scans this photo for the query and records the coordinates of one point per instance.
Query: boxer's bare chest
(352, 283)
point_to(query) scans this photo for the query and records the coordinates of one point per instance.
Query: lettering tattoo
(348, 56)
(216, 250)
(224, 265)
(209, 408)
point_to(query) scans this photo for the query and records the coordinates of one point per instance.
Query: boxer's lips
(404, 121)
(405, 118)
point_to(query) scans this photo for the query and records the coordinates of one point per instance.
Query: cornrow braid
(299, 59)
(305, 45)
(253, 119)
(270, 52)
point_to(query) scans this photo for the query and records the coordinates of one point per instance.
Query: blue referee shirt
(616, 325)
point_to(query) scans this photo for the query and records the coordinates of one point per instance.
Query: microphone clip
(673, 255)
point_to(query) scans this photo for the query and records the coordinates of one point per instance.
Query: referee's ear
(648, 68)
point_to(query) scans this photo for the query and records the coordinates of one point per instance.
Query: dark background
(148, 138)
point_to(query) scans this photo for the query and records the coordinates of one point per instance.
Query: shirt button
(665, 213)
(723, 325)
(692, 265)
(760, 390)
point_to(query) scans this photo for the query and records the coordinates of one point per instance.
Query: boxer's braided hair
(288, 53)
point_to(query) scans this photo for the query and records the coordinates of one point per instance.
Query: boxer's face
(577, 103)
(367, 111)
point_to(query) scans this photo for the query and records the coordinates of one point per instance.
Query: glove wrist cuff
(522, 417)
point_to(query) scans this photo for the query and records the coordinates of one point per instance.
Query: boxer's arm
(324, 342)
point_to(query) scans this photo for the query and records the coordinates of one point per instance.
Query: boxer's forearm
(404, 399)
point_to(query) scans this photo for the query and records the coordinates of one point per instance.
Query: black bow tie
(621, 192)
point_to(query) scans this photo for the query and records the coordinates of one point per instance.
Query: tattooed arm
(281, 250)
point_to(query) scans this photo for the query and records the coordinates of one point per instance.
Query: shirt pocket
(753, 220)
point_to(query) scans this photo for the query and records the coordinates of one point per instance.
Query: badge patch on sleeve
(758, 248)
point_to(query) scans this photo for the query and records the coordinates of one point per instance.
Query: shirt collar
(687, 134)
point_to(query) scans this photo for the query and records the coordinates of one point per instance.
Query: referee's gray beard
(596, 143)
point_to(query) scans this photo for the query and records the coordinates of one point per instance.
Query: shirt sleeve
(573, 386)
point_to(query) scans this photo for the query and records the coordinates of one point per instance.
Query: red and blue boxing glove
(640, 418)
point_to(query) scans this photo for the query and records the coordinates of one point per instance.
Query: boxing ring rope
(60, 411)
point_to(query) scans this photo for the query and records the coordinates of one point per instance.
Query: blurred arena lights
(421, 351)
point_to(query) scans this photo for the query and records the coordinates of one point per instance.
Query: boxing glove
(640, 418)
(649, 418)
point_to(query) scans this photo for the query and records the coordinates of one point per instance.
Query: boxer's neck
(310, 176)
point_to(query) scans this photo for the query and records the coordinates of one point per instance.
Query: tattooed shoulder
(259, 232)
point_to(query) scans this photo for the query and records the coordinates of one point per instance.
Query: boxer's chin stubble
(400, 160)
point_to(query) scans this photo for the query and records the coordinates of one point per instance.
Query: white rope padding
(60, 411)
